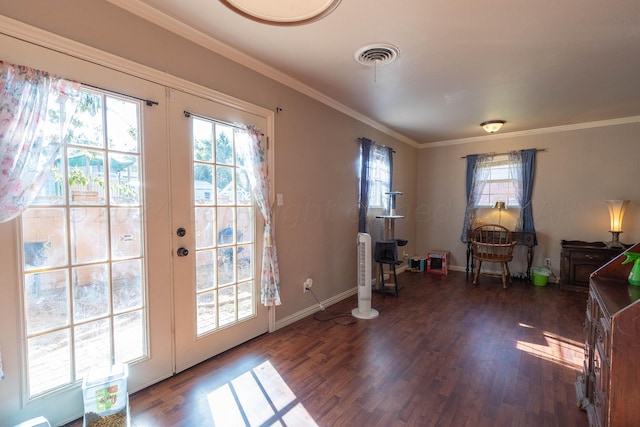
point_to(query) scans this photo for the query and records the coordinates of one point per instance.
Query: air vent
(376, 55)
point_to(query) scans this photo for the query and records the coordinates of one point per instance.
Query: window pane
(245, 264)
(243, 188)
(44, 375)
(86, 125)
(245, 300)
(226, 226)
(227, 297)
(124, 182)
(205, 270)
(207, 312)
(89, 241)
(224, 144)
(128, 289)
(226, 268)
(129, 336)
(44, 238)
(205, 227)
(203, 184)
(86, 177)
(46, 298)
(245, 225)
(122, 125)
(225, 186)
(202, 140)
(126, 229)
(90, 292)
(92, 347)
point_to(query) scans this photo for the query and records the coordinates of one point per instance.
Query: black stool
(386, 252)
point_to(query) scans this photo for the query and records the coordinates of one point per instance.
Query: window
(500, 184)
(379, 176)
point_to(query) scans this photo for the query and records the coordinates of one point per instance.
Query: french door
(95, 267)
(217, 232)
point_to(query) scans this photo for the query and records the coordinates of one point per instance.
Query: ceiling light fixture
(282, 12)
(492, 126)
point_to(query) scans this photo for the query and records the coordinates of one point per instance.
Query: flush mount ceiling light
(283, 12)
(492, 126)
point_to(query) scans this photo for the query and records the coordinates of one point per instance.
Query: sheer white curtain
(35, 110)
(477, 176)
(515, 174)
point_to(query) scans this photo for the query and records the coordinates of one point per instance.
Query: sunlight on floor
(258, 397)
(558, 349)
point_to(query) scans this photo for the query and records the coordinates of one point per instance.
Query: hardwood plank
(442, 353)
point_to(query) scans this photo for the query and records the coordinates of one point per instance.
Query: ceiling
(535, 64)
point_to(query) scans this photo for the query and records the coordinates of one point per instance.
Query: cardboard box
(438, 262)
(417, 264)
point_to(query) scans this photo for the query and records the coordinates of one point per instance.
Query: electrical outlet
(308, 283)
(547, 263)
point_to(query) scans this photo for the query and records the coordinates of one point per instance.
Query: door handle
(183, 251)
(181, 232)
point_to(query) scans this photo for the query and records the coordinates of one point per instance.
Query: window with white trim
(500, 185)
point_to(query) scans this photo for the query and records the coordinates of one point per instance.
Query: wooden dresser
(579, 259)
(609, 387)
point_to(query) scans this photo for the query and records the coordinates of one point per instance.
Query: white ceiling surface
(535, 64)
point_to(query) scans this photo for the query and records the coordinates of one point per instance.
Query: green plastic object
(634, 276)
(540, 275)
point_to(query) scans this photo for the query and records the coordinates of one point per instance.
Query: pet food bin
(106, 400)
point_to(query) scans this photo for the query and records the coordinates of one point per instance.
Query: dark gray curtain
(528, 172)
(365, 151)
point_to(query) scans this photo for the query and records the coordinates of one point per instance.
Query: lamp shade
(500, 205)
(616, 213)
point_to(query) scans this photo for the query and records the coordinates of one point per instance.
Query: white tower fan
(364, 310)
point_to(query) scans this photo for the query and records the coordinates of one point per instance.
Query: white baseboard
(314, 308)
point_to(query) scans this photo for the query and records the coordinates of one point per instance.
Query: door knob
(183, 251)
(181, 232)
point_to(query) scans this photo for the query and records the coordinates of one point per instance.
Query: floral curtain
(476, 178)
(35, 109)
(254, 159)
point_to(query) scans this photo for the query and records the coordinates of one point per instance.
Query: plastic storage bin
(540, 275)
(106, 400)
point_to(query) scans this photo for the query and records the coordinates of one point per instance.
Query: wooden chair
(492, 243)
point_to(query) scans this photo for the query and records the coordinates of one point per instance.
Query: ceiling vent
(375, 55)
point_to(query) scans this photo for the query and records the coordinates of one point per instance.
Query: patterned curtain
(35, 111)
(476, 178)
(254, 158)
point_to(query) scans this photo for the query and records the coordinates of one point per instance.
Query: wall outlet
(547, 263)
(308, 283)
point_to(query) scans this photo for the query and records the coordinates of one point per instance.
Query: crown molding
(540, 131)
(148, 13)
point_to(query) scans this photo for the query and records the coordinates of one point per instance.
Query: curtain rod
(500, 154)
(149, 102)
(189, 114)
(379, 145)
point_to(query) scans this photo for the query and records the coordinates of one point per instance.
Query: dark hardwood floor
(442, 353)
